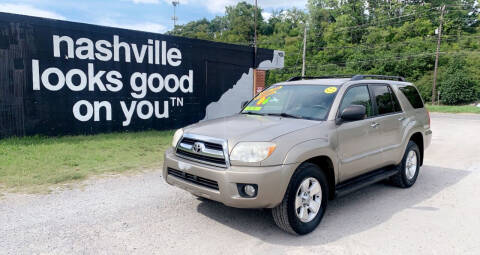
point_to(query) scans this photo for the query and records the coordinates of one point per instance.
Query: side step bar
(362, 181)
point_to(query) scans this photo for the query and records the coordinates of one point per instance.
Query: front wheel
(305, 201)
(408, 168)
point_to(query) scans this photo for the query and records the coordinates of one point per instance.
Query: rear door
(358, 141)
(390, 118)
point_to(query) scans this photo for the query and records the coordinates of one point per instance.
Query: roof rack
(297, 78)
(379, 77)
(356, 77)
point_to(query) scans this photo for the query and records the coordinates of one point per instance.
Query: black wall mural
(60, 77)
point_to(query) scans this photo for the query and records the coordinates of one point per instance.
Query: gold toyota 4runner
(302, 142)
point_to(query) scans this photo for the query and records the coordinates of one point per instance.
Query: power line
(273, 41)
(383, 45)
(379, 21)
(462, 36)
(377, 46)
(342, 47)
(352, 28)
(393, 58)
(370, 24)
(461, 5)
(369, 46)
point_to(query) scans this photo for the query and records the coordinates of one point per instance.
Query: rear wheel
(305, 201)
(408, 168)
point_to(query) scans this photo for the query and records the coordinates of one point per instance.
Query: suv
(302, 142)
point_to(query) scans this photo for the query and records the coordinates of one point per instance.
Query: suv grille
(213, 146)
(207, 152)
(193, 179)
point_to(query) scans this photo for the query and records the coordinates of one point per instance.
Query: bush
(457, 86)
(425, 85)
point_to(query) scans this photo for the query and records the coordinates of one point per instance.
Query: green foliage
(237, 26)
(358, 36)
(454, 108)
(425, 85)
(458, 87)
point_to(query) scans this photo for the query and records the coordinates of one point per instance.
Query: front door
(359, 150)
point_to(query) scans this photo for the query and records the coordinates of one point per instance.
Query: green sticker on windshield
(253, 108)
(266, 100)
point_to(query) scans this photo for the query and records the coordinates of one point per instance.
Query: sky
(146, 15)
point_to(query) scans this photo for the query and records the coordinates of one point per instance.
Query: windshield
(294, 101)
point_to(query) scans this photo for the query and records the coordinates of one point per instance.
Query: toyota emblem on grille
(198, 147)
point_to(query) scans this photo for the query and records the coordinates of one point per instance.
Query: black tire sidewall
(306, 171)
(409, 182)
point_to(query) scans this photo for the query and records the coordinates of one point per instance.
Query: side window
(396, 104)
(412, 95)
(357, 95)
(383, 98)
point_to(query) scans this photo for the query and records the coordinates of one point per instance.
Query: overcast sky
(147, 15)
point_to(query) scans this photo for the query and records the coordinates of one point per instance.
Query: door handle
(401, 118)
(374, 125)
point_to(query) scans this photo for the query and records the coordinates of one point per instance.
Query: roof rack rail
(380, 77)
(297, 78)
(356, 77)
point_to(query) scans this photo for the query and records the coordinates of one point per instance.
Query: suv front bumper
(272, 181)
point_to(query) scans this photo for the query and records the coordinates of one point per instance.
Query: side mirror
(353, 112)
(244, 103)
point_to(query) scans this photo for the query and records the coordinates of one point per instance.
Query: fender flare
(306, 150)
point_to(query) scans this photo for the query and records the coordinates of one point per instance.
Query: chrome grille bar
(203, 149)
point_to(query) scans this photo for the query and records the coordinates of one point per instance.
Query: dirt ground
(141, 214)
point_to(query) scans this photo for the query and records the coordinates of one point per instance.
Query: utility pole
(435, 71)
(175, 3)
(255, 33)
(304, 49)
(255, 50)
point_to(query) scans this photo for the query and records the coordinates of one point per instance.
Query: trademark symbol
(176, 101)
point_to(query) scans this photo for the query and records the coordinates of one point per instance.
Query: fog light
(249, 190)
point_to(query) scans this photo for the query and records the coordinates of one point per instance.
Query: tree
(240, 22)
(237, 26)
(457, 86)
(363, 36)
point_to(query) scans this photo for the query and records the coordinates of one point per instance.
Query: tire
(405, 178)
(285, 214)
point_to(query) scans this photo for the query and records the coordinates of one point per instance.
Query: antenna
(175, 3)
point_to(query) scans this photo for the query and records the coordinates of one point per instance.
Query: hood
(244, 127)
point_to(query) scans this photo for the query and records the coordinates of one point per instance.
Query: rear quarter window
(412, 95)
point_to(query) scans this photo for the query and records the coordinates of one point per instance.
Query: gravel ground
(141, 214)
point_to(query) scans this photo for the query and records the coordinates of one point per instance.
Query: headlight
(178, 134)
(252, 151)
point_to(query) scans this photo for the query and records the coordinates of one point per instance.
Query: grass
(454, 108)
(33, 163)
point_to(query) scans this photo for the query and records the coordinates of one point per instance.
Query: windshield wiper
(253, 113)
(285, 115)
